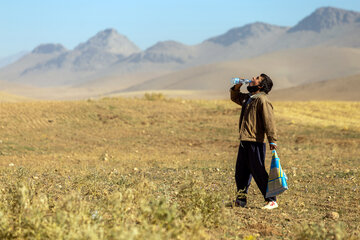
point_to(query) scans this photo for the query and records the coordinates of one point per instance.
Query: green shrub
(154, 96)
(194, 200)
(313, 231)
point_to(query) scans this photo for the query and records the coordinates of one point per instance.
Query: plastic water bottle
(240, 80)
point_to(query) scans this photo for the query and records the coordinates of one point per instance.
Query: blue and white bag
(277, 182)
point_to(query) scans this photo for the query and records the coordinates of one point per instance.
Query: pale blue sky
(25, 24)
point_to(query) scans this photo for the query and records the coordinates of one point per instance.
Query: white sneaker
(270, 205)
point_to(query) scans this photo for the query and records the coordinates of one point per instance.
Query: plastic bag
(277, 182)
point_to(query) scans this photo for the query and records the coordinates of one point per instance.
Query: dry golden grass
(157, 168)
(6, 97)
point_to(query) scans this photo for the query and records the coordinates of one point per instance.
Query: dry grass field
(158, 168)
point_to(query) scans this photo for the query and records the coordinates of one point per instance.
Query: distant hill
(53, 65)
(339, 89)
(164, 52)
(345, 88)
(287, 68)
(13, 58)
(326, 18)
(246, 33)
(7, 97)
(40, 54)
(109, 61)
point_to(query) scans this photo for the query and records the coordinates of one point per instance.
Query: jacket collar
(257, 95)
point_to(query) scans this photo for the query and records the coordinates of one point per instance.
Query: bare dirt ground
(157, 168)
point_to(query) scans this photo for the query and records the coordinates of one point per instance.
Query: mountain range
(110, 62)
(13, 58)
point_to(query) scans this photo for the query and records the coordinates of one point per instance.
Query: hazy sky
(25, 24)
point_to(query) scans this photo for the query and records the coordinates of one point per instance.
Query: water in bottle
(240, 80)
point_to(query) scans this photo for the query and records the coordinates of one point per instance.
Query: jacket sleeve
(268, 120)
(237, 96)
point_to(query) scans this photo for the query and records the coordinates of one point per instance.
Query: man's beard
(253, 89)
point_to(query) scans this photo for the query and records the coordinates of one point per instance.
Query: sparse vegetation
(154, 96)
(138, 169)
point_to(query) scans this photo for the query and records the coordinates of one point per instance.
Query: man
(256, 120)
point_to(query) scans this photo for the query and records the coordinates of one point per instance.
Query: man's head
(263, 83)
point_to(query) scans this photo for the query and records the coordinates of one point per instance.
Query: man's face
(255, 81)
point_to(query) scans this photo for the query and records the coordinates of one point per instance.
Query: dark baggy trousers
(251, 163)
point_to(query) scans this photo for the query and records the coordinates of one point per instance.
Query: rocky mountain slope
(110, 58)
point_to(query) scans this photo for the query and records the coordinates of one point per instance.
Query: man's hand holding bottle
(238, 82)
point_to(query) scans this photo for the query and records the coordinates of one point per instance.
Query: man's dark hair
(266, 83)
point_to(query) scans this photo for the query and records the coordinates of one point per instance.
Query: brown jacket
(256, 118)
